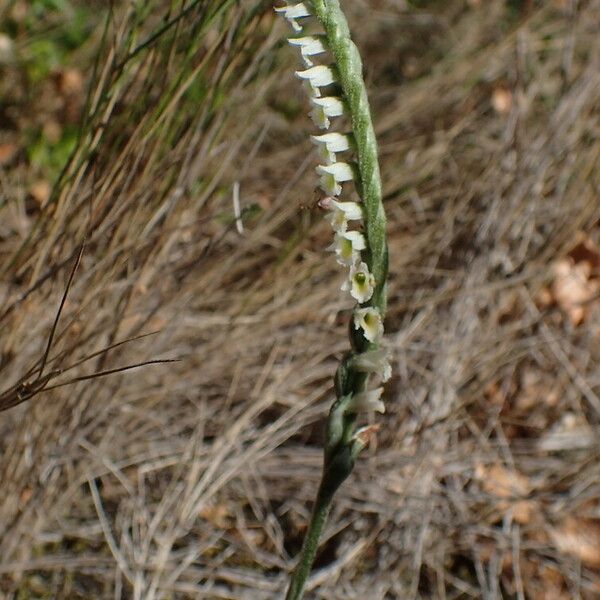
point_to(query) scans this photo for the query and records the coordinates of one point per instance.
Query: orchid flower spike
(361, 283)
(369, 320)
(342, 71)
(347, 247)
(341, 212)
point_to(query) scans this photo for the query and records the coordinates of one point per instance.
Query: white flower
(330, 143)
(369, 320)
(367, 401)
(333, 175)
(293, 12)
(309, 46)
(318, 76)
(360, 283)
(324, 108)
(373, 361)
(341, 212)
(347, 247)
(363, 436)
(313, 92)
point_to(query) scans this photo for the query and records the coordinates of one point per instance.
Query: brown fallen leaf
(7, 152)
(579, 538)
(502, 99)
(70, 82)
(543, 581)
(218, 516)
(509, 488)
(40, 191)
(573, 289)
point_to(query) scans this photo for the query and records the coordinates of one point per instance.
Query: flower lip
(324, 108)
(361, 283)
(367, 401)
(331, 143)
(341, 212)
(369, 320)
(347, 247)
(332, 175)
(375, 361)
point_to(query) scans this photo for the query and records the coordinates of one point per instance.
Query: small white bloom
(362, 438)
(347, 247)
(330, 143)
(369, 320)
(293, 12)
(367, 401)
(372, 361)
(309, 46)
(312, 91)
(333, 175)
(319, 76)
(324, 108)
(341, 212)
(361, 283)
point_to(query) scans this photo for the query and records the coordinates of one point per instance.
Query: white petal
(329, 144)
(332, 106)
(334, 142)
(329, 185)
(367, 401)
(341, 212)
(324, 108)
(333, 175)
(309, 46)
(362, 282)
(319, 118)
(319, 76)
(352, 210)
(373, 361)
(347, 247)
(340, 171)
(294, 11)
(312, 91)
(369, 320)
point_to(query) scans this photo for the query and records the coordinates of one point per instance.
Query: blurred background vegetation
(124, 128)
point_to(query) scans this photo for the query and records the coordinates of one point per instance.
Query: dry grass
(194, 479)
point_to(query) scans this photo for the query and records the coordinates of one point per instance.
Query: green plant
(363, 252)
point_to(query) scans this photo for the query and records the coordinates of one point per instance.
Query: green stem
(309, 547)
